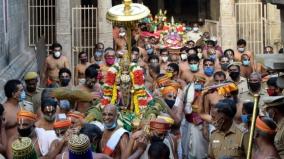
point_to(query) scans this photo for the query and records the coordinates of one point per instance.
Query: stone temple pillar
(228, 29)
(282, 23)
(63, 26)
(104, 26)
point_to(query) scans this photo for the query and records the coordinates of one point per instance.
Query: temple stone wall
(15, 56)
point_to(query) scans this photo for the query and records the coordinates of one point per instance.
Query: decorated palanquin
(125, 86)
(171, 35)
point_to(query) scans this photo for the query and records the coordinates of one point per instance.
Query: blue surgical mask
(99, 53)
(245, 118)
(246, 62)
(212, 57)
(22, 96)
(208, 71)
(198, 87)
(150, 51)
(194, 67)
(112, 126)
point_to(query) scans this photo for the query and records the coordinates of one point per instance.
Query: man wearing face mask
(110, 59)
(195, 34)
(65, 77)
(254, 86)
(53, 63)
(183, 64)
(92, 86)
(33, 92)
(121, 40)
(164, 58)
(208, 68)
(26, 128)
(194, 144)
(98, 54)
(223, 140)
(212, 53)
(274, 108)
(172, 72)
(273, 89)
(80, 68)
(15, 94)
(246, 67)
(114, 139)
(48, 109)
(235, 76)
(241, 49)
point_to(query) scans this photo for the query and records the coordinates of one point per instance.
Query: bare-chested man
(80, 68)
(192, 68)
(183, 64)
(53, 63)
(91, 85)
(121, 41)
(108, 143)
(164, 60)
(14, 91)
(241, 44)
(98, 55)
(246, 67)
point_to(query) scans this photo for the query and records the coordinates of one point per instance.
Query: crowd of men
(206, 122)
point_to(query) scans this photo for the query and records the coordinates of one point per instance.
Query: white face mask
(57, 54)
(199, 55)
(183, 57)
(165, 58)
(241, 49)
(195, 29)
(122, 34)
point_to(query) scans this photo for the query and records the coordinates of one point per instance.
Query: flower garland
(110, 86)
(138, 84)
(110, 92)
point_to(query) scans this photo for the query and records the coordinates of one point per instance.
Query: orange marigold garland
(109, 87)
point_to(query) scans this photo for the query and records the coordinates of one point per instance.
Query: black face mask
(31, 88)
(234, 75)
(254, 87)
(155, 138)
(64, 82)
(170, 103)
(26, 132)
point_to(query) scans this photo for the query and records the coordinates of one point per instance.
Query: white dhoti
(194, 145)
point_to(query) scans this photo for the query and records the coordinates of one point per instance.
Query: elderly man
(53, 63)
(223, 141)
(41, 139)
(274, 108)
(114, 139)
(32, 90)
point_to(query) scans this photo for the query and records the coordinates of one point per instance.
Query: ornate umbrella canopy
(126, 14)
